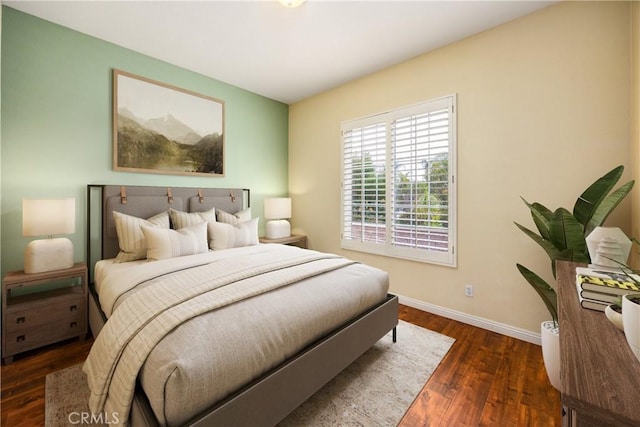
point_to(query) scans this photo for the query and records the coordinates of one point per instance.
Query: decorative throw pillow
(234, 219)
(226, 236)
(167, 243)
(130, 238)
(184, 219)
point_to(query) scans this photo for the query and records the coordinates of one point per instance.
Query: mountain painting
(160, 128)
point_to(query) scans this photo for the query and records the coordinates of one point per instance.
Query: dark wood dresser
(600, 375)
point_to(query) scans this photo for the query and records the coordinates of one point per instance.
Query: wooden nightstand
(299, 240)
(49, 307)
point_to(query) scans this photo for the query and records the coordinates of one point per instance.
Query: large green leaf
(541, 217)
(565, 232)
(607, 206)
(549, 247)
(546, 292)
(591, 198)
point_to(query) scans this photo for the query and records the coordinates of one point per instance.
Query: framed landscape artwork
(159, 128)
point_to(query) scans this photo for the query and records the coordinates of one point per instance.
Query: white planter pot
(551, 351)
(631, 322)
(614, 317)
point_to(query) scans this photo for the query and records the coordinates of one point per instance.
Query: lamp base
(48, 255)
(278, 229)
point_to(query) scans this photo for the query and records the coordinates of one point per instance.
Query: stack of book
(600, 287)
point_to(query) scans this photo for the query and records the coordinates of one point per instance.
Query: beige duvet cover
(211, 355)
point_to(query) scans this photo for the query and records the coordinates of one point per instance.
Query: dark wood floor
(23, 381)
(486, 379)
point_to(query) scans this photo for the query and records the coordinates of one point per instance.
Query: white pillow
(234, 219)
(130, 238)
(167, 243)
(184, 219)
(226, 236)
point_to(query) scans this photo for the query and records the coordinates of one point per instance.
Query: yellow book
(605, 281)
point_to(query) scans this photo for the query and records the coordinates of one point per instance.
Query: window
(398, 192)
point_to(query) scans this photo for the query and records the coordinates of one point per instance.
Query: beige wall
(635, 137)
(543, 110)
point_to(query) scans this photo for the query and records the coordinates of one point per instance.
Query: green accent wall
(57, 117)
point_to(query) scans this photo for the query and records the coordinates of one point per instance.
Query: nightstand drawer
(19, 318)
(23, 340)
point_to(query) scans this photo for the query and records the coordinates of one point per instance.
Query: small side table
(51, 308)
(299, 240)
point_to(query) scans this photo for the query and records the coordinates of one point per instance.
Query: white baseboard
(480, 322)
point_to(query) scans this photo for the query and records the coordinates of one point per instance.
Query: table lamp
(48, 217)
(278, 210)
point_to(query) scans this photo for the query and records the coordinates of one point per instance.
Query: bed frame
(270, 398)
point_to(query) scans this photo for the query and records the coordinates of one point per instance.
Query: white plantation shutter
(398, 192)
(365, 151)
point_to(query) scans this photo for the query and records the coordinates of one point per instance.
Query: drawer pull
(73, 308)
(20, 319)
(20, 338)
(73, 324)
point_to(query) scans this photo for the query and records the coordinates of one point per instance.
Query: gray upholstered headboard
(144, 202)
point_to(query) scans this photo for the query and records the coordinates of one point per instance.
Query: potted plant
(630, 309)
(614, 313)
(631, 321)
(562, 235)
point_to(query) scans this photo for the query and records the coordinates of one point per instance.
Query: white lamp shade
(277, 208)
(46, 217)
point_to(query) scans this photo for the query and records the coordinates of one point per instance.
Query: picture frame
(160, 128)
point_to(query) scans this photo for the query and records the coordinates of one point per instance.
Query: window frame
(445, 258)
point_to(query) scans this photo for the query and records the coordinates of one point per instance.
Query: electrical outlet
(468, 290)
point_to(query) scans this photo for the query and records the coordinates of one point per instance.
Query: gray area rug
(376, 390)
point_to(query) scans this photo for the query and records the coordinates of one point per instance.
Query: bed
(249, 362)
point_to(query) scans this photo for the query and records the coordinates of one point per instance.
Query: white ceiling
(281, 53)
